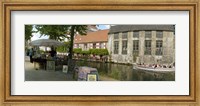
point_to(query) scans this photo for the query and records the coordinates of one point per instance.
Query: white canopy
(46, 42)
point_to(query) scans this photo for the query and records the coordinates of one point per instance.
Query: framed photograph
(65, 68)
(51, 65)
(92, 77)
(141, 52)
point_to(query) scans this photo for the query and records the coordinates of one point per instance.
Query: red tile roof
(97, 36)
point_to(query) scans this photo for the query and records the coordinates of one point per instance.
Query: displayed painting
(51, 65)
(65, 68)
(92, 77)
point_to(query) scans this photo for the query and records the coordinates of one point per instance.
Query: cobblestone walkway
(44, 75)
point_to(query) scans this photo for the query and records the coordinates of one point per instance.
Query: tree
(59, 32)
(77, 50)
(74, 29)
(64, 48)
(56, 32)
(100, 52)
(28, 32)
(81, 30)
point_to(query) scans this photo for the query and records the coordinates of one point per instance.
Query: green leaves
(77, 51)
(64, 48)
(81, 29)
(59, 33)
(99, 52)
(85, 52)
(28, 32)
(75, 29)
(56, 32)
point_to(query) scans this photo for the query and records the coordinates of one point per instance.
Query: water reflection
(122, 72)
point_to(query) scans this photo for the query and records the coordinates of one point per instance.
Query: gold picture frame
(119, 5)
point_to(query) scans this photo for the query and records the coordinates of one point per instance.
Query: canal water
(123, 72)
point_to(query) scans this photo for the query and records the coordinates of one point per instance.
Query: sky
(37, 35)
(101, 27)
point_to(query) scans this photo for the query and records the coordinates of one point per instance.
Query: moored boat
(152, 69)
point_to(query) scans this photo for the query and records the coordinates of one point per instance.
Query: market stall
(48, 59)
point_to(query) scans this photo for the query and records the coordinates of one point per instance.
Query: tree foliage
(74, 29)
(77, 50)
(85, 52)
(64, 48)
(100, 52)
(28, 32)
(56, 32)
(59, 32)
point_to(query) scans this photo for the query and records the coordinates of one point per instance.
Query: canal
(123, 72)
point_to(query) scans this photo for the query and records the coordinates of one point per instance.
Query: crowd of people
(48, 54)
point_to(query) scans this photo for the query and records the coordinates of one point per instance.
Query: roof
(92, 28)
(125, 28)
(97, 36)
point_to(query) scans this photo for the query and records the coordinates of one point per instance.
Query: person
(31, 53)
(27, 52)
(53, 53)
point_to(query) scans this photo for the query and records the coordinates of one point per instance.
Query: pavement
(32, 74)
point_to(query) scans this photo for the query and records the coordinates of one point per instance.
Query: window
(136, 34)
(147, 34)
(116, 36)
(147, 47)
(101, 45)
(174, 43)
(79, 46)
(94, 45)
(159, 47)
(135, 46)
(116, 47)
(124, 47)
(159, 34)
(75, 45)
(124, 35)
(85, 46)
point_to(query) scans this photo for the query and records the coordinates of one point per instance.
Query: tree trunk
(71, 42)
(71, 63)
